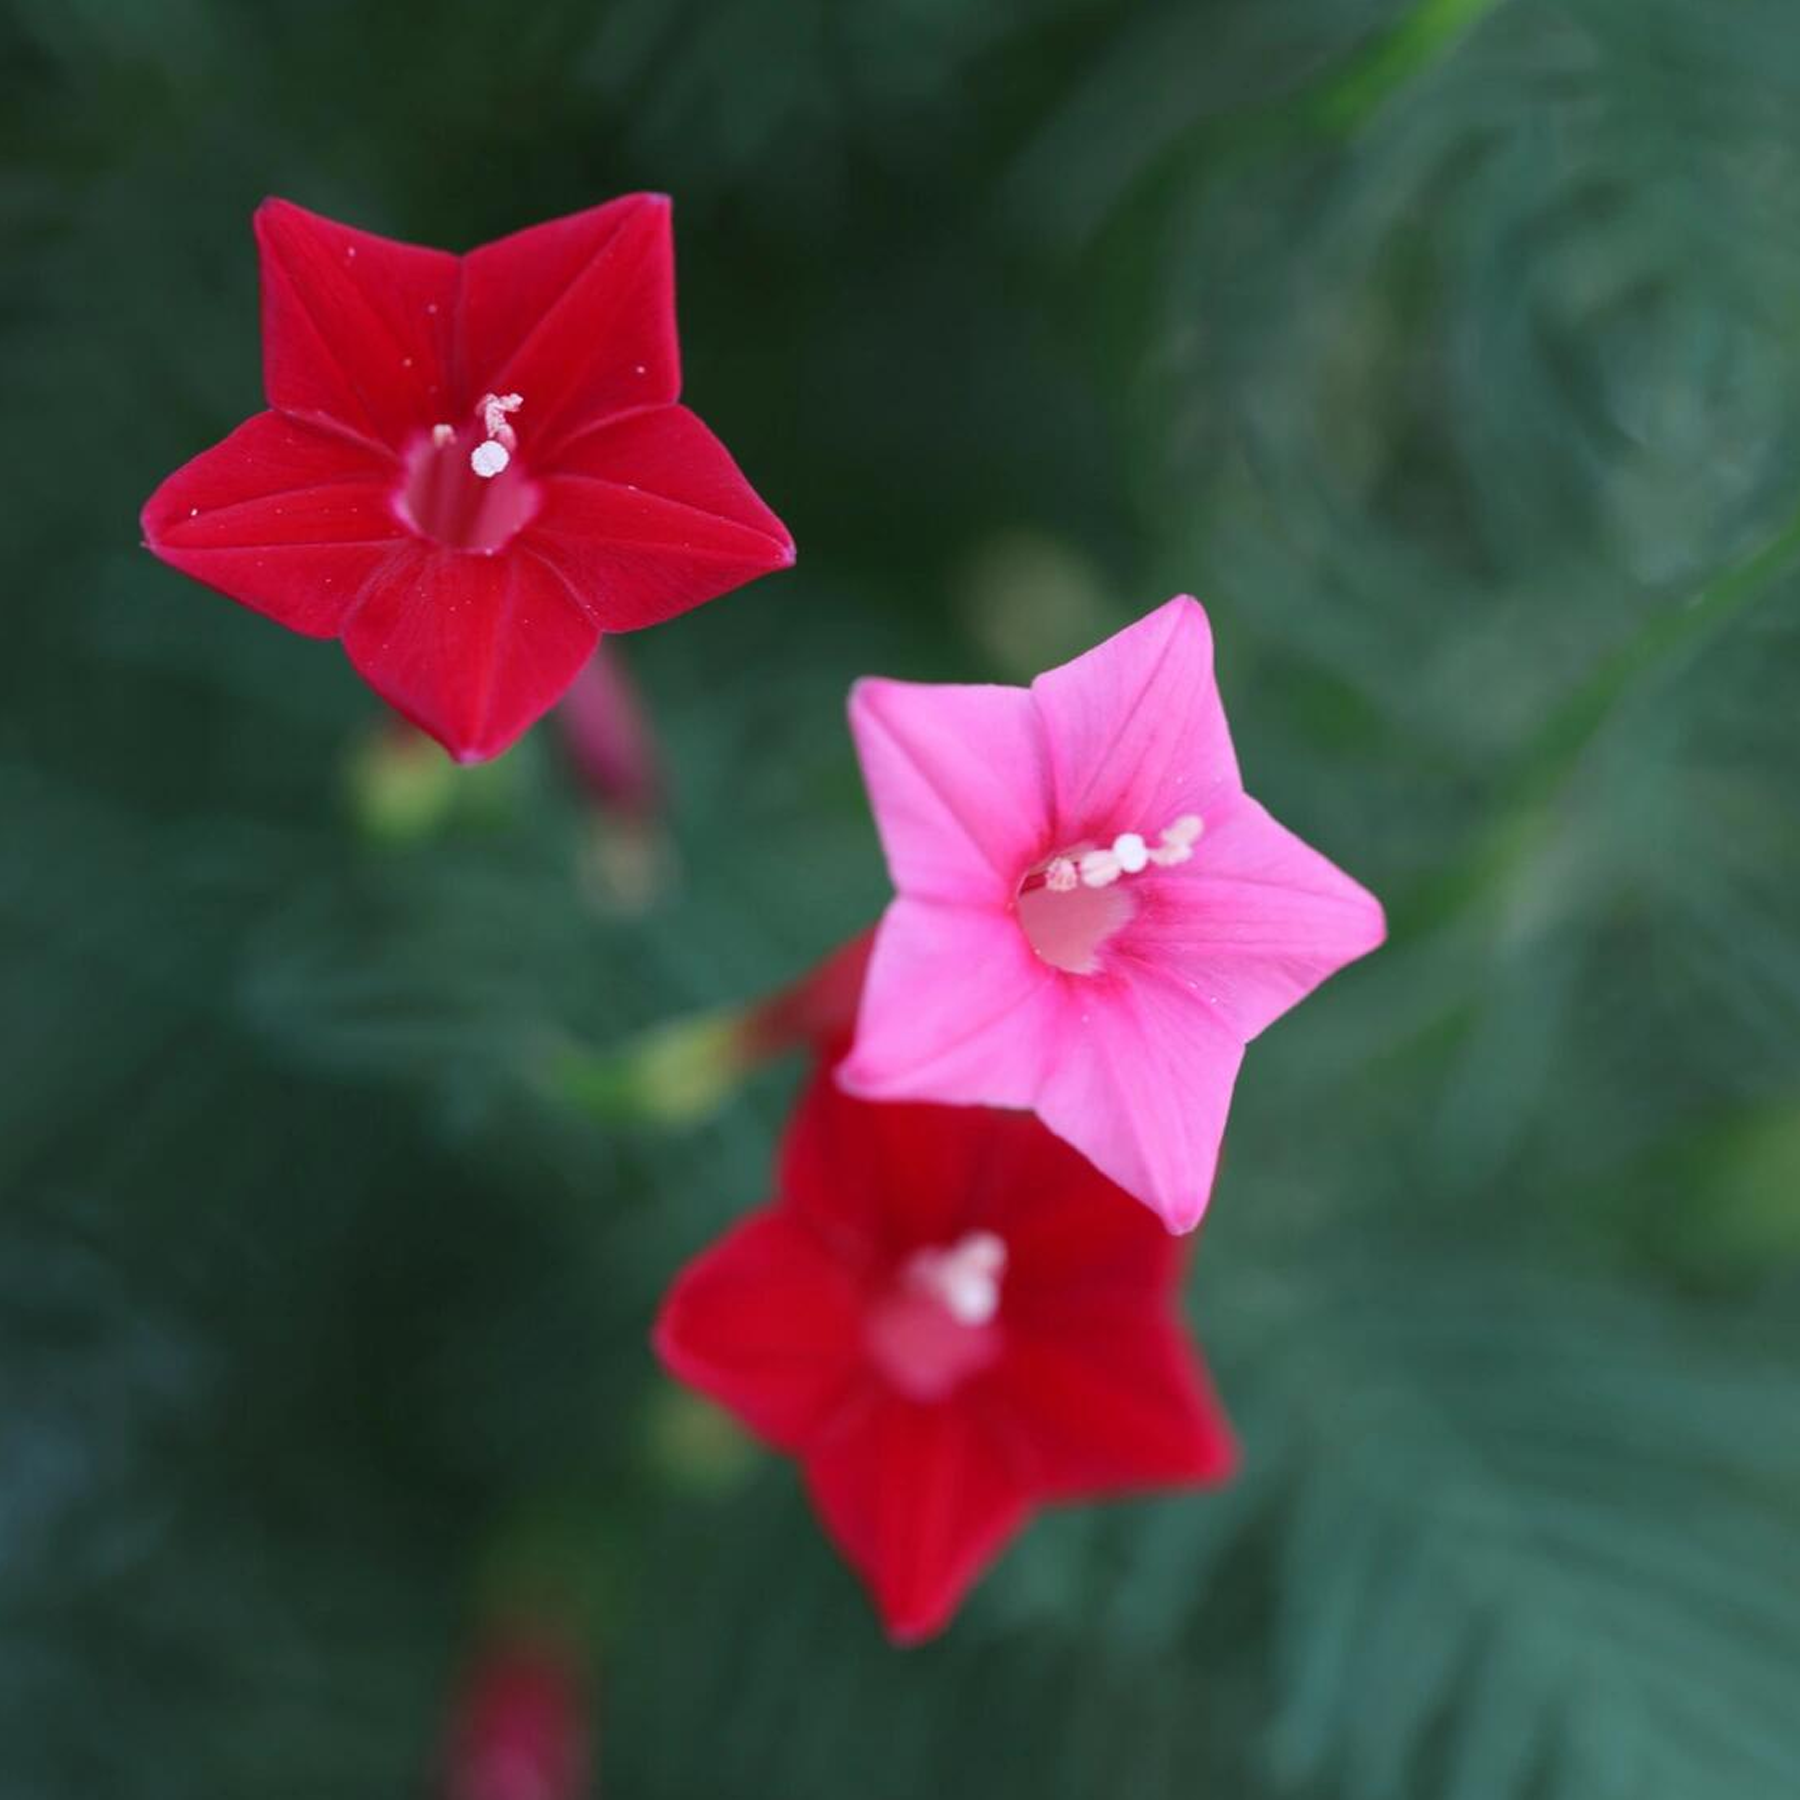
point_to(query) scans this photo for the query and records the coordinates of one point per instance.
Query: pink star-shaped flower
(471, 465)
(950, 1318)
(1093, 918)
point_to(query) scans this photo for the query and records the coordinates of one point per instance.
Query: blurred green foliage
(1451, 352)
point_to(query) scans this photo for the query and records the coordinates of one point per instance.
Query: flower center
(1074, 901)
(465, 486)
(934, 1327)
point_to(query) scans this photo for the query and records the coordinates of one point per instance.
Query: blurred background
(1450, 350)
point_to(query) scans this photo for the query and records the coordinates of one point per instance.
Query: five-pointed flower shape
(472, 465)
(1093, 918)
(949, 1317)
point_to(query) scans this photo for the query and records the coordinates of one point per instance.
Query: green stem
(1351, 93)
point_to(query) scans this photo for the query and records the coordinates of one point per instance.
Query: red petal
(285, 518)
(768, 1324)
(649, 516)
(473, 649)
(879, 1181)
(919, 1499)
(1072, 1236)
(356, 328)
(1109, 1398)
(578, 316)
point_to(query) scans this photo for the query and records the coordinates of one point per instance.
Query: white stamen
(443, 434)
(488, 459)
(493, 409)
(1178, 841)
(965, 1278)
(1130, 855)
(1062, 877)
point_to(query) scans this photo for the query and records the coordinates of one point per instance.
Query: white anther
(487, 460)
(443, 434)
(493, 409)
(1100, 868)
(1178, 841)
(965, 1279)
(1130, 855)
(1062, 877)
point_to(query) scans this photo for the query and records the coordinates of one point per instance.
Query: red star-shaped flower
(949, 1318)
(471, 466)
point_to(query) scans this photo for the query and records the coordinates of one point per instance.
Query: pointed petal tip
(272, 209)
(664, 1344)
(1223, 1458)
(907, 1633)
(1180, 1218)
(852, 1078)
(865, 696)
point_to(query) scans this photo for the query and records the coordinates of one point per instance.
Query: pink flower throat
(1072, 903)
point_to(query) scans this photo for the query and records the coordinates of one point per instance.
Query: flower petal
(959, 784)
(1112, 1399)
(356, 328)
(955, 1007)
(648, 516)
(768, 1323)
(1141, 1085)
(1072, 1235)
(877, 1181)
(1135, 733)
(283, 517)
(919, 1499)
(473, 649)
(578, 316)
(1258, 919)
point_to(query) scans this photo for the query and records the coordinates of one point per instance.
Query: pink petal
(959, 785)
(356, 328)
(578, 316)
(767, 1323)
(1141, 1085)
(919, 1499)
(1111, 1399)
(1257, 920)
(473, 649)
(648, 516)
(1135, 732)
(285, 518)
(955, 1007)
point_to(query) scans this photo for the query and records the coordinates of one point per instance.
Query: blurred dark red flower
(949, 1318)
(472, 465)
(519, 1729)
(607, 737)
